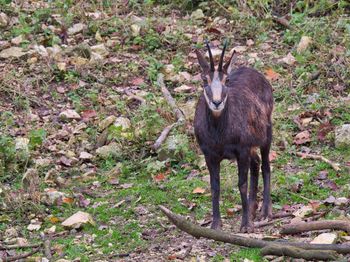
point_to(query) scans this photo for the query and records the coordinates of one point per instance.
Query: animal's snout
(217, 103)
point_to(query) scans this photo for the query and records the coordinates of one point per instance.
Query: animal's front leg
(243, 167)
(214, 170)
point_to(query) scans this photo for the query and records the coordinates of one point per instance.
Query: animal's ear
(202, 62)
(229, 65)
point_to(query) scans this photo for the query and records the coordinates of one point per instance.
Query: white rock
(41, 50)
(34, 227)
(113, 149)
(77, 28)
(342, 136)
(85, 155)
(21, 143)
(303, 211)
(61, 66)
(3, 19)
(341, 201)
(135, 29)
(12, 52)
(78, 219)
(69, 114)
(17, 40)
(325, 238)
(216, 52)
(304, 43)
(52, 195)
(122, 122)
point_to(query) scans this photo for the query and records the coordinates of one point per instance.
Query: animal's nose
(216, 103)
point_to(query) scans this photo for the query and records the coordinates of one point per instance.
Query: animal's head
(215, 90)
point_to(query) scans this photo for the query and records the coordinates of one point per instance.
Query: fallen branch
(219, 235)
(295, 228)
(21, 256)
(335, 166)
(162, 136)
(9, 247)
(179, 115)
(282, 215)
(299, 253)
(171, 101)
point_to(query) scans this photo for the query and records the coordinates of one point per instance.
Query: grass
(104, 87)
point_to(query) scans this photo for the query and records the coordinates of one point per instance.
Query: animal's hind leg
(266, 172)
(254, 180)
(243, 167)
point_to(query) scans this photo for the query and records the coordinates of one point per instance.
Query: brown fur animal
(233, 120)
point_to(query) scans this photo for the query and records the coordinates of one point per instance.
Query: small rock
(98, 36)
(122, 122)
(21, 143)
(342, 136)
(12, 52)
(11, 232)
(77, 28)
(189, 109)
(34, 227)
(168, 71)
(4, 44)
(341, 201)
(216, 52)
(135, 29)
(79, 61)
(41, 50)
(304, 43)
(106, 123)
(53, 195)
(113, 149)
(78, 219)
(303, 211)
(17, 40)
(183, 89)
(197, 14)
(69, 114)
(325, 238)
(100, 49)
(31, 180)
(312, 98)
(85, 155)
(4, 20)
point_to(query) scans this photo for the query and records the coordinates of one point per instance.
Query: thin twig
(179, 115)
(9, 247)
(47, 249)
(335, 166)
(267, 223)
(222, 7)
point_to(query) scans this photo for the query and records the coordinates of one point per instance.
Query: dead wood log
(296, 228)
(9, 247)
(179, 115)
(335, 166)
(296, 252)
(219, 235)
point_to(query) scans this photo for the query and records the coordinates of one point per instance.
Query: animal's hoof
(247, 229)
(216, 224)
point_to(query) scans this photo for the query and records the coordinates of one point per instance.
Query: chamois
(232, 120)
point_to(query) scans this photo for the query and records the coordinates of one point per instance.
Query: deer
(233, 121)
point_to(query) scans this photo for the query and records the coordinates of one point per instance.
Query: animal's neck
(217, 123)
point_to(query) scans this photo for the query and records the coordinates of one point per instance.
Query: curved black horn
(212, 68)
(222, 56)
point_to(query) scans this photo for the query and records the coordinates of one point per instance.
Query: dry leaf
(159, 177)
(67, 200)
(271, 75)
(79, 218)
(272, 155)
(302, 138)
(198, 190)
